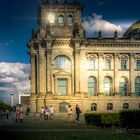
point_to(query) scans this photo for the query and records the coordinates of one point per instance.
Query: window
(70, 20)
(123, 86)
(91, 64)
(109, 106)
(125, 106)
(137, 86)
(107, 86)
(107, 64)
(123, 64)
(62, 86)
(63, 107)
(91, 86)
(138, 64)
(62, 62)
(61, 20)
(94, 107)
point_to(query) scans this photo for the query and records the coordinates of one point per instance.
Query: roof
(133, 31)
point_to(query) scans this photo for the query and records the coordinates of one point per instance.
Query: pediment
(62, 72)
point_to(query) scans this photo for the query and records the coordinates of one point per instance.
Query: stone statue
(76, 30)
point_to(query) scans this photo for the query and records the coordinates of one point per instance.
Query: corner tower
(60, 17)
(54, 53)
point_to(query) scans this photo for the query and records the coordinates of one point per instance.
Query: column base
(116, 94)
(132, 94)
(100, 94)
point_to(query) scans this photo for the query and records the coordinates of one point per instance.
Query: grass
(60, 129)
(72, 135)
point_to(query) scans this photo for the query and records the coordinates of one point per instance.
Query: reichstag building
(100, 74)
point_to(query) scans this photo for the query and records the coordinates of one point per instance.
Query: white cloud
(96, 23)
(14, 77)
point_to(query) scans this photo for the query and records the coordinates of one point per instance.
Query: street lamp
(12, 99)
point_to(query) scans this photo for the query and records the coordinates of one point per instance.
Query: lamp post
(12, 99)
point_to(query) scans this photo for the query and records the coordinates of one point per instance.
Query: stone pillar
(100, 76)
(116, 80)
(33, 75)
(49, 73)
(41, 78)
(41, 64)
(33, 106)
(131, 75)
(76, 72)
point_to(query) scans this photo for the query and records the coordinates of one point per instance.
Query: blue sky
(18, 17)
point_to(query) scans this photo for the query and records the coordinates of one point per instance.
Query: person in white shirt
(69, 113)
(42, 113)
(52, 110)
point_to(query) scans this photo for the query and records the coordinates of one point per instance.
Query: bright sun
(51, 17)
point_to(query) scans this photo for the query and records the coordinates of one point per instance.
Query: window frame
(109, 106)
(62, 62)
(92, 85)
(123, 66)
(68, 19)
(125, 106)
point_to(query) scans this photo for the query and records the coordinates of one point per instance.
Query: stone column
(33, 106)
(41, 64)
(33, 75)
(100, 76)
(116, 80)
(41, 79)
(49, 77)
(131, 75)
(76, 72)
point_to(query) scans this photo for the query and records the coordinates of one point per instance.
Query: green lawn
(83, 135)
(60, 129)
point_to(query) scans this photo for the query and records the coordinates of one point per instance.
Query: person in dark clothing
(78, 111)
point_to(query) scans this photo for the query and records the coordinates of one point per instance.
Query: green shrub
(110, 119)
(4, 106)
(130, 118)
(102, 119)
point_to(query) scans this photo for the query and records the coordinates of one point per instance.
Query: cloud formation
(96, 23)
(14, 77)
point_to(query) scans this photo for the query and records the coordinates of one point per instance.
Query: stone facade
(68, 68)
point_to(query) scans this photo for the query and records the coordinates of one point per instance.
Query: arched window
(61, 20)
(125, 106)
(62, 62)
(70, 20)
(123, 86)
(63, 107)
(109, 106)
(93, 107)
(107, 86)
(91, 86)
(137, 86)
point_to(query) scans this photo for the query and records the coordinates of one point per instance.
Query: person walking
(42, 113)
(69, 113)
(52, 110)
(17, 113)
(21, 115)
(7, 114)
(78, 111)
(47, 112)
